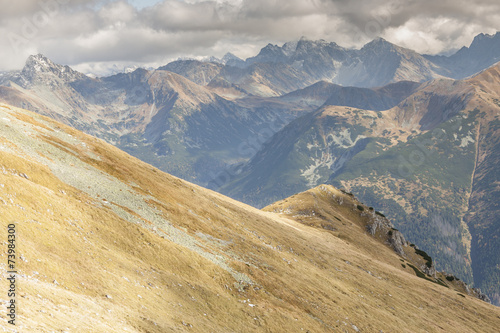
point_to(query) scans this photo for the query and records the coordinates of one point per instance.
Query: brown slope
(433, 103)
(109, 244)
(484, 208)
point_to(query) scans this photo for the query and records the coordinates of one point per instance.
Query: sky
(95, 35)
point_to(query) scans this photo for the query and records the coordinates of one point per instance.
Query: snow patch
(312, 173)
(465, 141)
(343, 139)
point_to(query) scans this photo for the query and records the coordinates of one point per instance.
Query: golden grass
(305, 278)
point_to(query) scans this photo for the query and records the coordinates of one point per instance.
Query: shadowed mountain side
(378, 99)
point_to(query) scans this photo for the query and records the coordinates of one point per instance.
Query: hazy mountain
(324, 93)
(431, 163)
(108, 243)
(483, 52)
(278, 70)
(197, 71)
(159, 116)
(228, 59)
(380, 62)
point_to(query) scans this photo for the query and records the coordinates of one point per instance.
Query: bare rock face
(398, 242)
(41, 70)
(429, 270)
(394, 237)
(474, 292)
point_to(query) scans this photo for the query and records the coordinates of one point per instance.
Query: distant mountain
(279, 70)
(108, 243)
(228, 59)
(483, 52)
(199, 72)
(324, 93)
(430, 163)
(380, 62)
(163, 118)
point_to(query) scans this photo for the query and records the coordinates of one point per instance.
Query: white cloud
(79, 32)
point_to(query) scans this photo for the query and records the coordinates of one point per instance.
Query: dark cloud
(80, 32)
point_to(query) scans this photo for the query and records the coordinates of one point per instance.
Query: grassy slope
(93, 221)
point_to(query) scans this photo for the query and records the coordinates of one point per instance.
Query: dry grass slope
(110, 244)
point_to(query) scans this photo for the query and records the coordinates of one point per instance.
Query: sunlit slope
(110, 244)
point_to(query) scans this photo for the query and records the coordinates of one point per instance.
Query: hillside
(107, 243)
(430, 163)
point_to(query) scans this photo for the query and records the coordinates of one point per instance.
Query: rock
(431, 271)
(481, 296)
(397, 241)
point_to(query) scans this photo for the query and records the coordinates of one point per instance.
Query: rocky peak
(40, 68)
(232, 60)
(39, 63)
(270, 53)
(289, 48)
(378, 44)
(484, 39)
(482, 43)
(485, 45)
(270, 49)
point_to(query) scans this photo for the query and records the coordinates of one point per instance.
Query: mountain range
(108, 243)
(412, 135)
(430, 163)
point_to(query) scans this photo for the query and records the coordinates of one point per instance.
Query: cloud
(79, 32)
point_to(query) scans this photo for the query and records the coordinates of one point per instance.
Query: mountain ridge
(375, 64)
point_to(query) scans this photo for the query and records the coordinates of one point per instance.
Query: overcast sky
(91, 35)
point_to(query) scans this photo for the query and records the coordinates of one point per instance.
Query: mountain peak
(484, 39)
(38, 66)
(378, 41)
(270, 53)
(379, 44)
(232, 60)
(39, 63)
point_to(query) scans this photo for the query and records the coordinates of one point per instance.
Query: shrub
(361, 208)
(450, 278)
(441, 282)
(418, 272)
(426, 257)
(345, 192)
